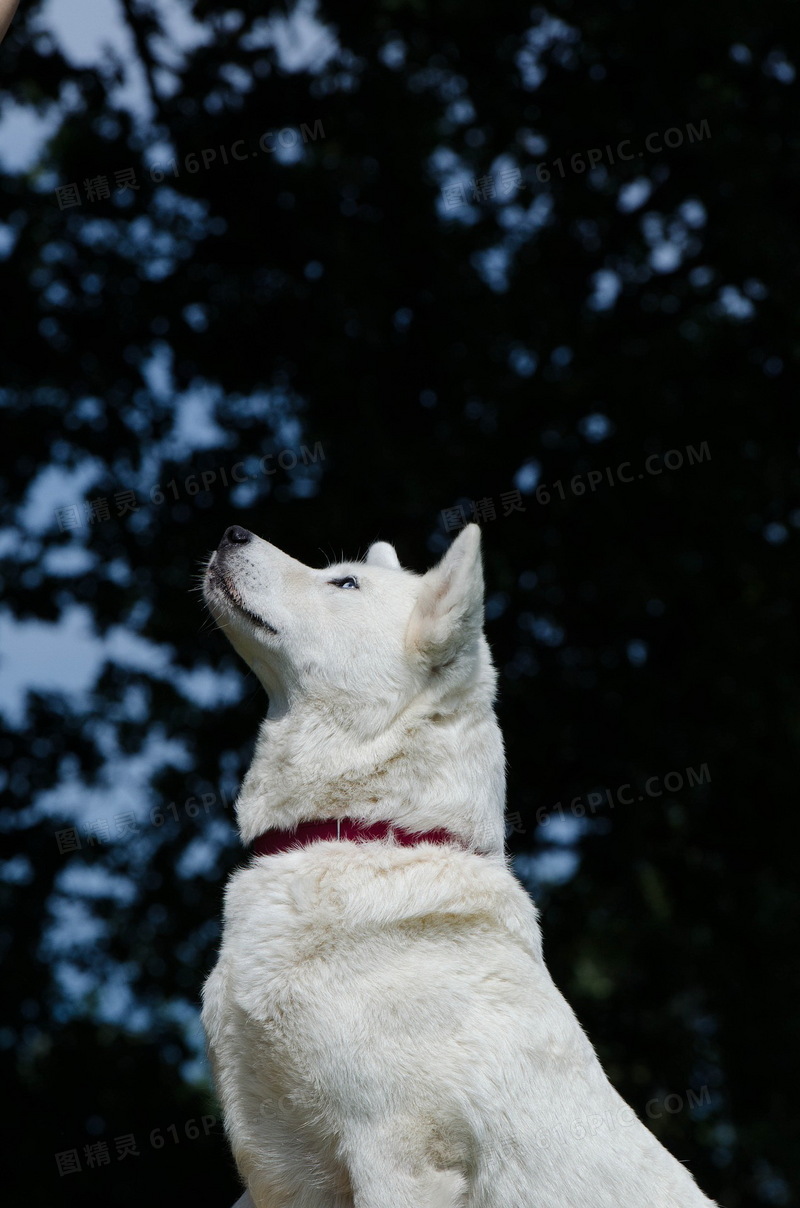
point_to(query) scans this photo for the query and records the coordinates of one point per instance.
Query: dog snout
(235, 535)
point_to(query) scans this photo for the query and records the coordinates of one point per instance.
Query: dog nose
(236, 535)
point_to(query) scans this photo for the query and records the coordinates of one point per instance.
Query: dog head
(356, 635)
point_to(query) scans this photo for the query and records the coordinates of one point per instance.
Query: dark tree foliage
(604, 322)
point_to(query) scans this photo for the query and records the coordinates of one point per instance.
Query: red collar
(273, 841)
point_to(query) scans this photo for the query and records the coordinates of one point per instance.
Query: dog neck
(274, 841)
(424, 771)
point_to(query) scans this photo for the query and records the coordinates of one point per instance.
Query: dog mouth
(223, 584)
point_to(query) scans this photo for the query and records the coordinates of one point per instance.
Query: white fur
(381, 1024)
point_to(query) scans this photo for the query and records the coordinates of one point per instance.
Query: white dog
(383, 1030)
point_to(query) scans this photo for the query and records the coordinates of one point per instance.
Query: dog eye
(350, 581)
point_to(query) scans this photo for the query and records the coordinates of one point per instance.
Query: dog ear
(448, 614)
(382, 554)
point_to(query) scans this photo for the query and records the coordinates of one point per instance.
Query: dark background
(406, 352)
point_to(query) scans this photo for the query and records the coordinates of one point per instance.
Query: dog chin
(222, 595)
